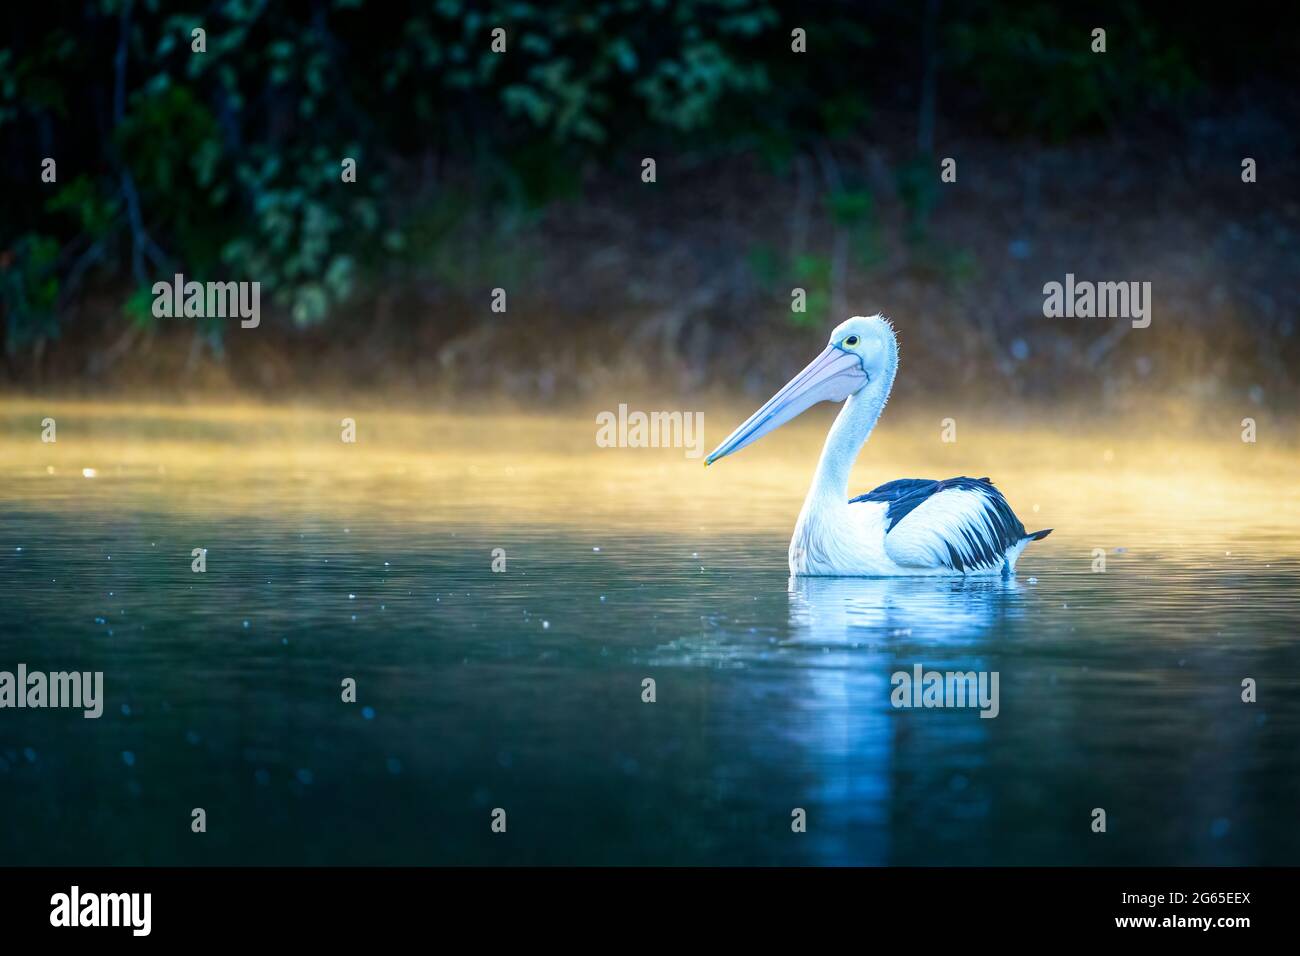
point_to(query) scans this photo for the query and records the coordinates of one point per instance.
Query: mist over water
(523, 689)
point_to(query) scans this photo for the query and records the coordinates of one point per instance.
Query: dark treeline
(219, 154)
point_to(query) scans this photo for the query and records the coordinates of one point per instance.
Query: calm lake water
(522, 690)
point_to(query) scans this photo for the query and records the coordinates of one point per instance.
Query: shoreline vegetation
(492, 236)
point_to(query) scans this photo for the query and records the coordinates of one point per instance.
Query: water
(522, 690)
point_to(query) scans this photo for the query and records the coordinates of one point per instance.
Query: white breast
(841, 539)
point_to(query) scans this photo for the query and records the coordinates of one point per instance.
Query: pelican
(906, 527)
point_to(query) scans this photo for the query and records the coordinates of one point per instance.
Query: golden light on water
(1092, 482)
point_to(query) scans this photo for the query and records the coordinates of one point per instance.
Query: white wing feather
(956, 519)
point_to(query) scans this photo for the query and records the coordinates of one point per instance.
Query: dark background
(775, 170)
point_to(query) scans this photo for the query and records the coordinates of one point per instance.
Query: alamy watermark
(58, 689)
(1098, 300)
(947, 689)
(76, 908)
(651, 430)
(211, 300)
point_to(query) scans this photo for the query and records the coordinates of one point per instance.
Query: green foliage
(226, 164)
(919, 188)
(164, 135)
(933, 258)
(1035, 67)
(778, 275)
(234, 154)
(813, 274)
(29, 290)
(851, 211)
(305, 228)
(90, 206)
(581, 72)
(138, 308)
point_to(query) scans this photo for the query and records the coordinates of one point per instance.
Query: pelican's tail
(1013, 552)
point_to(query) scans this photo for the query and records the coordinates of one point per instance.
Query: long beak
(831, 377)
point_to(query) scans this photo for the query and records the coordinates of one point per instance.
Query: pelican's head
(861, 353)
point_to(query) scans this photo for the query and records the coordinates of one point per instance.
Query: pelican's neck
(852, 427)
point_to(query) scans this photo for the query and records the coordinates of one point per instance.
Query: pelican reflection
(846, 612)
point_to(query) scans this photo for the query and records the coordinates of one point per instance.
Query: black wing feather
(982, 544)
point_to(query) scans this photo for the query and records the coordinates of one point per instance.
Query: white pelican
(910, 526)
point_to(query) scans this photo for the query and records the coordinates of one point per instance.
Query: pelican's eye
(851, 341)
